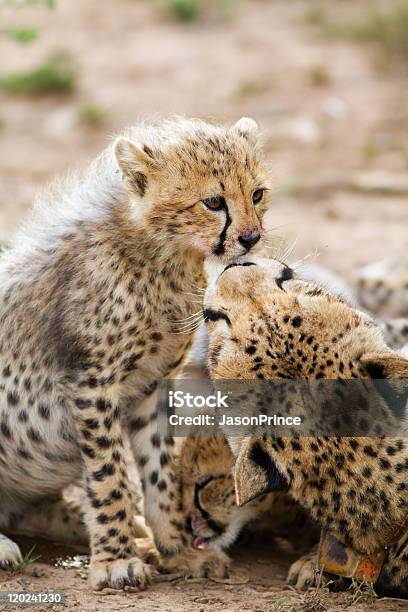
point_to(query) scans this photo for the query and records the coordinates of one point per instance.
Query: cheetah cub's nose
(249, 239)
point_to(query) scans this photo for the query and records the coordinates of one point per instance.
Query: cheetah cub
(96, 307)
(264, 323)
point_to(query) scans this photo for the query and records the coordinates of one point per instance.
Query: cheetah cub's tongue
(197, 542)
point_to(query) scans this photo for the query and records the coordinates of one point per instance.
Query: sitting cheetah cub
(96, 307)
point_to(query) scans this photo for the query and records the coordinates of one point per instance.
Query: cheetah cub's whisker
(88, 299)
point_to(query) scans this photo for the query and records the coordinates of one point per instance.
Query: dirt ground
(334, 127)
(257, 584)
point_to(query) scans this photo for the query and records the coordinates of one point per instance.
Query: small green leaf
(28, 559)
(52, 77)
(22, 35)
(92, 114)
(184, 10)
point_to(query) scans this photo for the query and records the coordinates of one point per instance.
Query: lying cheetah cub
(263, 323)
(205, 466)
(95, 308)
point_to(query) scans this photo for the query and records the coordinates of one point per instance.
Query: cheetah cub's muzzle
(236, 287)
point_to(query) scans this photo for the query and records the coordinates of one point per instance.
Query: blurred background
(327, 82)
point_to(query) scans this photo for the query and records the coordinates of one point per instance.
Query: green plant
(22, 35)
(55, 76)
(184, 10)
(91, 114)
(21, 3)
(192, 10)
(28, 559)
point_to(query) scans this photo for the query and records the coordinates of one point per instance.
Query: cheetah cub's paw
(147, 551)
(206, 563)
(119, 574)
(10, 554)
(303, 573)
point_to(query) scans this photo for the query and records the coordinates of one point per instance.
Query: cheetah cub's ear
(137, 163)
(393, 367)
(256, 473)
(248, 129)
(385, 365)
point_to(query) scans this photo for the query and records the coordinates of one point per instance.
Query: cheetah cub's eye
(214, 203)
(257, 196)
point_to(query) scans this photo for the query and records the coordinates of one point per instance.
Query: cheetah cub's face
(265, 323)
(198, 185)
(208, 492)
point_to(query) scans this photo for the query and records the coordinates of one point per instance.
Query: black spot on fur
(164, 459)
(12, 398)
(154, 477)
(5, 430)
(155, 440)
(137, 424)
(103, 519)
(129, 363)
(161, 485)
(103, 442)
(23, 416)
(88, 451)
(108, 469)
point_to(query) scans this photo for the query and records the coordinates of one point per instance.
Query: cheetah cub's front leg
(155, 458)
(114, 561)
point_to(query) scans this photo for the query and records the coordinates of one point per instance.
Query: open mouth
(198, 538)
(198, 541)
(237, 264)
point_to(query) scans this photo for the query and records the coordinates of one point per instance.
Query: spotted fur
(355, 487)
(96, 307)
